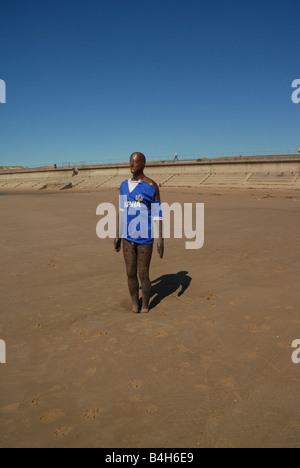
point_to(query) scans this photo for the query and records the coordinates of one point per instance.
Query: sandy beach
(209, 366)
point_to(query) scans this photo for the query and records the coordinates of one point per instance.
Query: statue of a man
(139, 206)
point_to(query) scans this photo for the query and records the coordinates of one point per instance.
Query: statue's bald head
(138, 157)
(137, 163)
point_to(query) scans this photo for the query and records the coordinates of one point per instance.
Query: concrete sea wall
(264, 172)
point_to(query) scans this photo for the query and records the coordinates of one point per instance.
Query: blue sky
(95, 80)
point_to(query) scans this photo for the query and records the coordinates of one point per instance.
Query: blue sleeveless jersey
(140, 210)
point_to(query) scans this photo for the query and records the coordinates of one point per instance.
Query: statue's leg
(130, 257)
(144, 259)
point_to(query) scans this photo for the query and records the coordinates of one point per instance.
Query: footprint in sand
(210, 297)
(63, 431)
(101, 334)
(252, 328)
(113, 340)
(95, 357)
(92, 413)
(182, 348)
(36, 402)
(159, 335)
(210, 323)
(245, 317)
(51, 416)
(151, 409)
(227, 382)
(164, 314)
(80, 331)
(135, 384)
(184, 365)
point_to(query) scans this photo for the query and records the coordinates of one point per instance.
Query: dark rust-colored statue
(139, 208)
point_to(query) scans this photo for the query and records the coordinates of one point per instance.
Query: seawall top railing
(180, 157)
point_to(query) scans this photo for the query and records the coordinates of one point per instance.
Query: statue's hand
(117, 244)
(161, 248)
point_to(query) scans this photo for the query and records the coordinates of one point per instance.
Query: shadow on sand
(166, 285)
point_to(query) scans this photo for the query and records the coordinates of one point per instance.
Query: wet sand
(208, 367)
